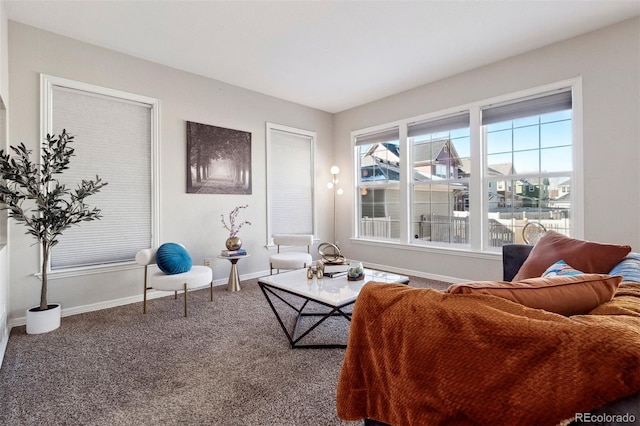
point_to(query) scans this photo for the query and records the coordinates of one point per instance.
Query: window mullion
(405, 184)
(477, 183)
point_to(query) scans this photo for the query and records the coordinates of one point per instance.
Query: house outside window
(378, 158)
(440, 179)
(474, 176)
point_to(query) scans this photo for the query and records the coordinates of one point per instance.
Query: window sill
(454, 251)
(89, 270)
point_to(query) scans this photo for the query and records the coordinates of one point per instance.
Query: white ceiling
(329, 55)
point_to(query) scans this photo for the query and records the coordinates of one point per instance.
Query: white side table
(234, 278)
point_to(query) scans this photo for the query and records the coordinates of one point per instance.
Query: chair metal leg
(211, 289)
(185, 299)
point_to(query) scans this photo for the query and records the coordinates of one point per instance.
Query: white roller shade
(378, 137)
(291, 183)
(527, 107)
(458, 121)
(112, 140)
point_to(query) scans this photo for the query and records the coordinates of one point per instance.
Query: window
(290, 181)
(440, 179)
(378, 156)
(115, 138)
(529, 156)
(472, 177)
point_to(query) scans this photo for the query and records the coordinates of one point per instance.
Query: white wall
(608, 61)
(191, 219)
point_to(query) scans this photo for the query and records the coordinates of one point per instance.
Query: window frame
(459, 117)
(47, 83)
(477, 180)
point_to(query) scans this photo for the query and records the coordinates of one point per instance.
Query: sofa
(468, 356)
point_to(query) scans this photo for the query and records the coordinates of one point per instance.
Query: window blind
(458, 121)
(291, 183)
(527, 107)
(378, 137)
(112, 140)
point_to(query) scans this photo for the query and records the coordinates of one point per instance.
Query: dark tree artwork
(218, 160)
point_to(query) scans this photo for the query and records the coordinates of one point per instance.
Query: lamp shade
(335, 170)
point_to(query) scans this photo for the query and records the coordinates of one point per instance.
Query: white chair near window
(197, 276)
(287, 260)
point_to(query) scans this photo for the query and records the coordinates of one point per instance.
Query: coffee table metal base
(297, 333)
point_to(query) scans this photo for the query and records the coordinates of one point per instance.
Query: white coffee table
(334, 293)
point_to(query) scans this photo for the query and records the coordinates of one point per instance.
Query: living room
(606, 60)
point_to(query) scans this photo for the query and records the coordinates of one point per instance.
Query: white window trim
(477, 154)
(313, 136)
(47, 82)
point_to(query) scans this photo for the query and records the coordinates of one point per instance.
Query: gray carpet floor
(228, 363)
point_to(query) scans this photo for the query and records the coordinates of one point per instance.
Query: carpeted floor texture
(228, 363)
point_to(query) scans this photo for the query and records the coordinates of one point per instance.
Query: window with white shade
(116, 139)
(290, 181)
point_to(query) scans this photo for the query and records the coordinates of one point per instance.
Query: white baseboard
(15, 322)
(152, 294)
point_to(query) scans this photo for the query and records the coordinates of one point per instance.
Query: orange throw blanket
(422, 357)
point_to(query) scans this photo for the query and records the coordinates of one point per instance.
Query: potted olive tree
(33, 196)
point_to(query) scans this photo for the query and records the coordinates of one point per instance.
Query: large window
(290, 181)
(529, 163)
(477, 177)
(115, 138)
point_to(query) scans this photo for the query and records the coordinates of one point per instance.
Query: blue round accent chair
(172, 258)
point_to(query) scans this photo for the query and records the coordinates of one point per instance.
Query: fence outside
(456, 229)
(376, 227)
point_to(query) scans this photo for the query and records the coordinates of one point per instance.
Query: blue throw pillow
(629, 268)
(560, 268)
(172, 258)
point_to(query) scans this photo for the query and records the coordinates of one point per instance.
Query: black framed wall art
(218, 160)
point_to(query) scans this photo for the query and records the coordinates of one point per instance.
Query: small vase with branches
(234, 242)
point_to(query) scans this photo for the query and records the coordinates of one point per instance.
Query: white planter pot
(43, 321)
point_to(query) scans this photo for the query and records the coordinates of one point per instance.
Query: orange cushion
(565, 295)
(586, 256)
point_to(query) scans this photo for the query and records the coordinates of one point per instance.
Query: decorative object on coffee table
(330, 254)
(355, 271)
